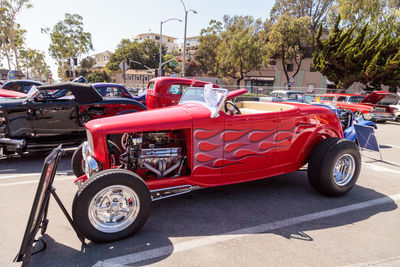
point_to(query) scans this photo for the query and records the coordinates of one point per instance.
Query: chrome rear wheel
(344, 169)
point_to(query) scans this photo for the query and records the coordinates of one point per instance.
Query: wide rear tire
(334, 167)
(111, 205)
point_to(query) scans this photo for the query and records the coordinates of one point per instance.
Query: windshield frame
(223, 93)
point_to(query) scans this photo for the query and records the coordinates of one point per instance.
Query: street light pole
(184, 37)
(160, 62)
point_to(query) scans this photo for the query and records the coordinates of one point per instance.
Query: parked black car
(41, 121)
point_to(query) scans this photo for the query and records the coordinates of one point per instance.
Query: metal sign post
(124, 67)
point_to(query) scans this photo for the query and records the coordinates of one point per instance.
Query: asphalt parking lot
(278, 221)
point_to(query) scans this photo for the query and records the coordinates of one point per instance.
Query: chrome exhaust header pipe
(19, 143)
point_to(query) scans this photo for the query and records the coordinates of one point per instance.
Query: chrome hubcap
(344, 169)
(114, 208)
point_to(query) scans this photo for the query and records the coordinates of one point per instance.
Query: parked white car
(397, 108)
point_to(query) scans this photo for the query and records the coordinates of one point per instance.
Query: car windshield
(356, 99)
(295, 96)
(212, 98)
(326, 98)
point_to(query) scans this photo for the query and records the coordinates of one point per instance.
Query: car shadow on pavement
(217, 211)
(32, 163)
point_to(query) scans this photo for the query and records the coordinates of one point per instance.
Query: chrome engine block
(155, 152)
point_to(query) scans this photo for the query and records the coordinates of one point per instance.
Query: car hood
(174, 117)
(375, 97)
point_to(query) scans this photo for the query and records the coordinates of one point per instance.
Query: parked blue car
(108, 90)
(22, 86)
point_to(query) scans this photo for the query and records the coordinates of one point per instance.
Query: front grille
(380, 110)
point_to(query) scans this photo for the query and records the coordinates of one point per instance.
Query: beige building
(101, 59)
(137, 79)
(192, 43)
(307, 79)
(169, 42)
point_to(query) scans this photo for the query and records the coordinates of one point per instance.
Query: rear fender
(312, 142)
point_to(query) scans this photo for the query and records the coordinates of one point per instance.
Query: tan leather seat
(253, 107)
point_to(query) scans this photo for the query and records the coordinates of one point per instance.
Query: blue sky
(110, 21)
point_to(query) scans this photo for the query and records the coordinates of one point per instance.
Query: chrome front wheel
(111, 205)
(114, 208)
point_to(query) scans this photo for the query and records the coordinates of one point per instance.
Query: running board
(171, 191)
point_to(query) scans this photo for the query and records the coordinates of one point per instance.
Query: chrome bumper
(382, 116)
(90, 166)
(18, 143)
(11, 145)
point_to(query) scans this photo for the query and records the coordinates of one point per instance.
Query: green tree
(358, 12)
(316, 10)
(150, 56)
(347, 56)
(167, 68)
(35, 61)
(146, 52)
(240, 49)
(87, 63)
(68, 40)
(288, 40)
(206, 54)
(98, 77)
(11, 34)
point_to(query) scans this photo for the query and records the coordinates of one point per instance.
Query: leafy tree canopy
(35, 61)
(146, 52)
(240, 49)
(206, 52)
(288, 39)
(98, 77)
(316, 10)
(88, 62)
(11, 34)
(347, 56)
(68, 39)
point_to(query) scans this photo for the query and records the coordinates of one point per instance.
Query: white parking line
(200, 242)
(33, 182)
(380, 168)
(26, 175)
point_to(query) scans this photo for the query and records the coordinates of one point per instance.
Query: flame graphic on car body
(240, 145)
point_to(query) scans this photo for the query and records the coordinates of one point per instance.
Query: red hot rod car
(167, 91)
(204, 141)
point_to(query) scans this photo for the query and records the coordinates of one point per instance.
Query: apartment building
(136, 78)
(192, 43)
(101, 59)
(169, 42)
